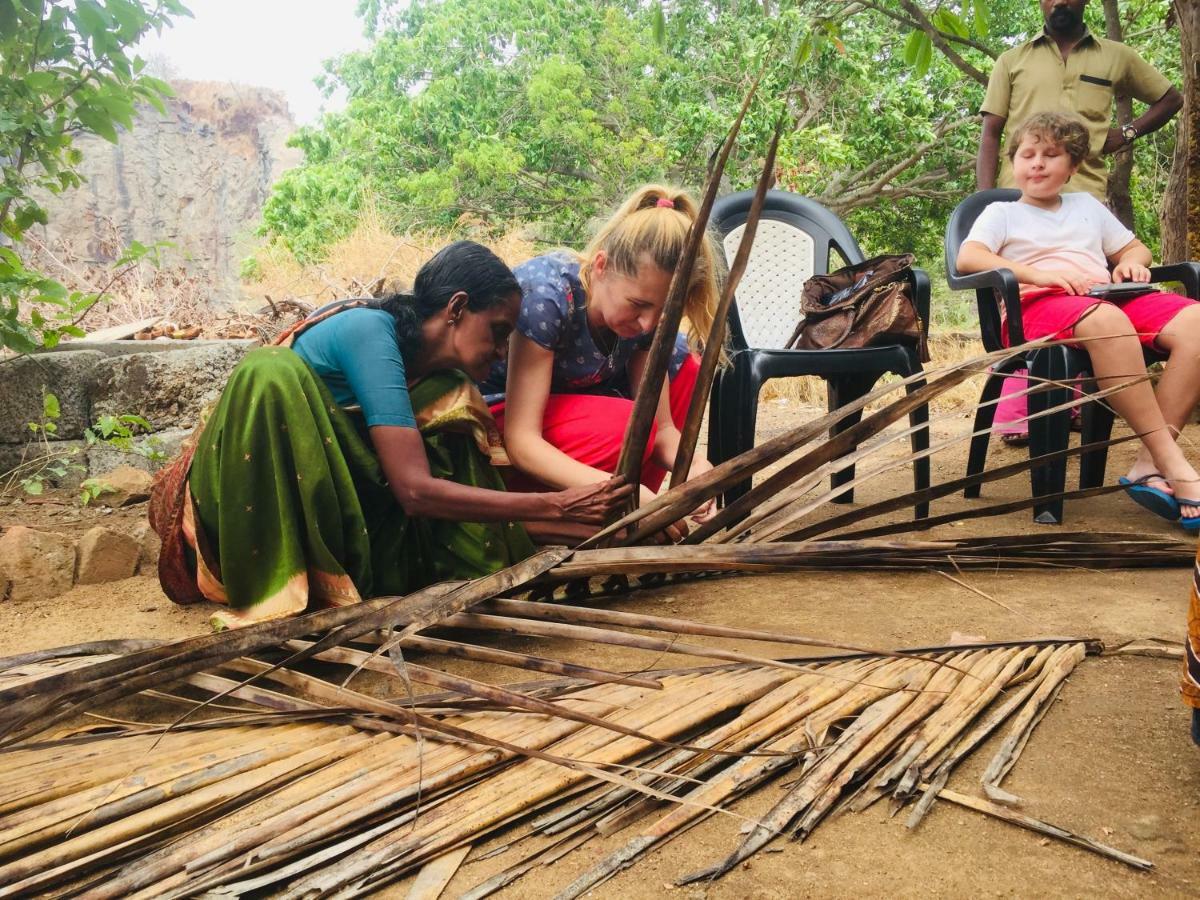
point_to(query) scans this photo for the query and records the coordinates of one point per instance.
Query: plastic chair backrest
(795, 239)
(964, 217)
(957, 229)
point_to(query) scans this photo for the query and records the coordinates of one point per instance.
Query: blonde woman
(579, 348)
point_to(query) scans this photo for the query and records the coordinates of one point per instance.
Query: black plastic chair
(1060, 364)
(795, 240)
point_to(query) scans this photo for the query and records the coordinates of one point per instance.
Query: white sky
(278, 44)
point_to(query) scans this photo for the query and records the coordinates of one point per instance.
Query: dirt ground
(1111, 761)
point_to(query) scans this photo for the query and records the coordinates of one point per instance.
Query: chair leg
(919, 441)
(839, 391)
(715, 415)
(742, 420)
(1097, 427)
(1049, 434)
(985, 415)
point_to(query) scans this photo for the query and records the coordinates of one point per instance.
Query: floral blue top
(554, 316)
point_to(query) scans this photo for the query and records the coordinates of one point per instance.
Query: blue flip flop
(1191, 524)
(1154, 499)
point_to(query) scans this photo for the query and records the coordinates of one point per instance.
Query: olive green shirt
(1033, 77)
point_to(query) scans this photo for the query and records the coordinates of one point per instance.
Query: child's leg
(1010, 409)
(1179, 387)
(1116, 354)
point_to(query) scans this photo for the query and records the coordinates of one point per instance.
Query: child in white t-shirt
(1060, 246)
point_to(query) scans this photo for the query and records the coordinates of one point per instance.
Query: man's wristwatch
(1129, 132)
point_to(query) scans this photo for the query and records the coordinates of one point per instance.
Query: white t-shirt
(1079, 236)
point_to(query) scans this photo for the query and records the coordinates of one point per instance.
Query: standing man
(1066, 67)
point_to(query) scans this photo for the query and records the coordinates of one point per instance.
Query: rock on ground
(169, 389)
(123, 486)
(150, 545)
(106, 555)
(37, 564)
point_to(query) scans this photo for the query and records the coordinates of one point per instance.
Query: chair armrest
(919, 283)
(1003, 282)
(1186, 272)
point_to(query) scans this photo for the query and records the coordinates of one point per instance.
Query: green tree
(65, 68)
(493, 113)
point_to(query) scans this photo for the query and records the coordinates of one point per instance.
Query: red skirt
(591, 427)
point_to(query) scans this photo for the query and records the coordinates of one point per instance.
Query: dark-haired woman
(356, 458)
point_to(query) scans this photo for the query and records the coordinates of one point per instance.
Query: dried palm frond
(336, 802)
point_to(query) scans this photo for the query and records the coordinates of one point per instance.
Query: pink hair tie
(665, 202)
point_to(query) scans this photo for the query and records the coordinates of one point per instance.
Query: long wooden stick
(714, 345)
(645, 404)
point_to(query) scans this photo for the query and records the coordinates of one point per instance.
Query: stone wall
(167, 382)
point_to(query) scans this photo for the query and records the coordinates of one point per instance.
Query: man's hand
(1114, 142)
(1071, 282)
(1131, 271)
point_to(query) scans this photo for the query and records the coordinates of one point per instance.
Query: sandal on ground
(1154, 499)
(1014, 438)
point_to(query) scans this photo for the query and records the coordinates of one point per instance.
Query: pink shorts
(1050, 312)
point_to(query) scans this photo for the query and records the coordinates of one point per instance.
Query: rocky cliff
(197, 176)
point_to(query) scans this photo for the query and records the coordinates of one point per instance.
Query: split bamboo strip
(511, 625)
(460, 650)
(991, 671)
(24, 874)
(832, 698)
(1016, 818)
(976, 736)
(132, 792)
(519, 787)
(436, 874)
(1058, 669)
(590, 616)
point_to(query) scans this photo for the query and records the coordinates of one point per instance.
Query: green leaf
(658, 24)
(97, 121)
(912, 46)
(948, 21)
(924, 56)
(33, 486)
(979, 17)
(40, 82)
(50, 406)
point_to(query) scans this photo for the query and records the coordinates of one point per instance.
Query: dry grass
(370, 260)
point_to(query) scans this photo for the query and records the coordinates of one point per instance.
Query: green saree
(289, 508)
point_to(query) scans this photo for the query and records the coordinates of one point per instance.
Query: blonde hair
(1066, 130)
(644, 225)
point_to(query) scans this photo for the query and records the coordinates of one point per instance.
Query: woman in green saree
(355, 457)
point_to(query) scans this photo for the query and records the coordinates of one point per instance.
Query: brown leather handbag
(868, 304)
